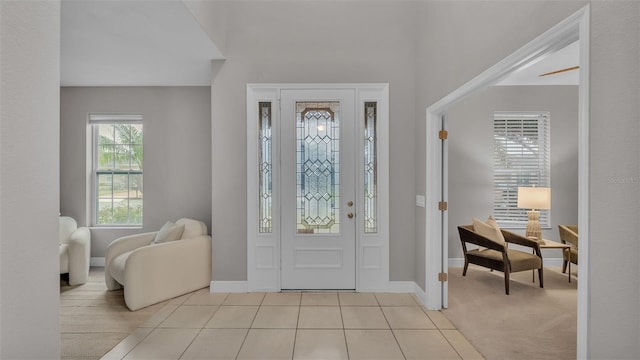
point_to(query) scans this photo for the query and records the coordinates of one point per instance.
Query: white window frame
(92, 161)
(531, 163)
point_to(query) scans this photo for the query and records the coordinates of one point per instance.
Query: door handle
(350, 215)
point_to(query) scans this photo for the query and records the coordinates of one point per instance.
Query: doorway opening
(566, 32)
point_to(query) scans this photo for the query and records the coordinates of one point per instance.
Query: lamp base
(533, 225)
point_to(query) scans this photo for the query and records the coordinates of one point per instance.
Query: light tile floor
(295, 325)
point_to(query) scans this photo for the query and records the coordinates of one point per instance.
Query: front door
(318, 132)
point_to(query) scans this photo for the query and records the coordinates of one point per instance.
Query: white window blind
(521, 157)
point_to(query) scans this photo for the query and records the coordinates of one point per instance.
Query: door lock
(350, 204)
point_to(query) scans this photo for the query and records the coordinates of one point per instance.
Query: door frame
(264, 249)
(576, 26)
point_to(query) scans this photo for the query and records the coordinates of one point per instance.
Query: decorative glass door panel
(318, 167)
(265, 169)
(318, 189)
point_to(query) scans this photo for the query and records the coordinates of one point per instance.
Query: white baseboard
(97, 261)
(242, 286)
(459, 262)
(401, 286)
(420, 294)
(456, 262)
(552, 262)
(229, 286)
(394, 287)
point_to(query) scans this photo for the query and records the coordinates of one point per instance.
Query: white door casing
(271, 251)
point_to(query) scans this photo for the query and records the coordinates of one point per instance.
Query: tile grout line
(146, 336)
(250, 326)
(424, 310)
(202, 328)
(344, 331)
(295, 335)
(390, 328)
(449, 342)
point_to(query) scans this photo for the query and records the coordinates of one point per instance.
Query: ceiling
(160, 43)
(126, 43)
(564, 58)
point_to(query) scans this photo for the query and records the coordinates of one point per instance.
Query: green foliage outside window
(119, 183)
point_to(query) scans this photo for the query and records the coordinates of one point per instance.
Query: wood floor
(93, 320)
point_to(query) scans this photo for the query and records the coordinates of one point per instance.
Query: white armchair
(153, 272)
(75, 250)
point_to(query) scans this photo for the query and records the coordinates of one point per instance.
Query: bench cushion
(519, 260)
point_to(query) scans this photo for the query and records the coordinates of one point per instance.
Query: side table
(548, 244)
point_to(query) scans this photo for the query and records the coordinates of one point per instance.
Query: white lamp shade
(534, 197)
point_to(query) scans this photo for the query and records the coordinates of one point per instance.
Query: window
(520, 158)
(370, 168)
(265, 169)
(117, 162)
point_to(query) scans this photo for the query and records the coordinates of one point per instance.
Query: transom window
(117, 168)
(521, 157)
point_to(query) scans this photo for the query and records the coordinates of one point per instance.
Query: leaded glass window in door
(265, 169)
(370, 169)
(318, 167)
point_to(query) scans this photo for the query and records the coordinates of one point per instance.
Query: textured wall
(29, 178)
(614, 180)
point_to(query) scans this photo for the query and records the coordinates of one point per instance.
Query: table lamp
(534, 198)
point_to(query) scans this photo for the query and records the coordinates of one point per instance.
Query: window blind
(115, 118)
(521, 158)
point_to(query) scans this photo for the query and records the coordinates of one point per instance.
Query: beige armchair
(497, 256)
(152, 270)
(75, 250)
(569, 235)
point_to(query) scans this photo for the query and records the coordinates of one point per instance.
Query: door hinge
(443, 134)
(442, 206)
(442, 277)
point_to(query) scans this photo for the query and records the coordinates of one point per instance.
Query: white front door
(318, 238)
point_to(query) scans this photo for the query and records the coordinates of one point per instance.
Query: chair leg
(540, 271)
(506, 282)
(564, 266)
(466, 265)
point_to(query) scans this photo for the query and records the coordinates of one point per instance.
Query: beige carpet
(530, 323)
(93, 320)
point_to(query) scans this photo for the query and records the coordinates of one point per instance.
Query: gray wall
(29, 126)
(470, 125)
(311, 42)
(177, 148)
(464, 38)
(614, 180)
